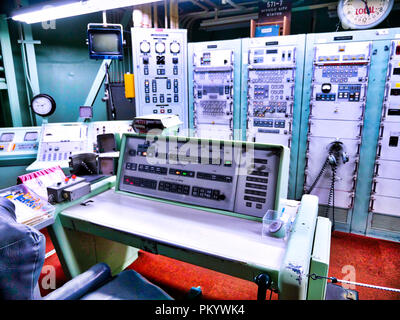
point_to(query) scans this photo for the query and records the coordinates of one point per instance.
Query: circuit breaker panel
(160, 68)
(385, 196)
(337, 104)
(213, 75)
(271, 72)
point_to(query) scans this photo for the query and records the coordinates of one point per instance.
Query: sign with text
(272, 10)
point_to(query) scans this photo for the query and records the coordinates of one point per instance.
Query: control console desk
(204, 210)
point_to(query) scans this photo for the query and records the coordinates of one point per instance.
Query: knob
(145, 47)
(160, 47)
(175, 47)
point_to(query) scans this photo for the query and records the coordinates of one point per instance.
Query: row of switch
(270, 123)
(207, 193)
(174, 187)
(154, 85)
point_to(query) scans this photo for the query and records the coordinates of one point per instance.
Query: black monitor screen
(106, 44)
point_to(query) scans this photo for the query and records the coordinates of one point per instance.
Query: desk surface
(202, 231)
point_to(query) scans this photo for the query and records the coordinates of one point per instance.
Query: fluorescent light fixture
(53, 10)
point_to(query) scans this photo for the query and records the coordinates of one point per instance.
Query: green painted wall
(65, 70)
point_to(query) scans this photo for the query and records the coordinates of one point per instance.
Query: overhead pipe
(235, 5)
(190, 18)
(187, 19)
(209, 14)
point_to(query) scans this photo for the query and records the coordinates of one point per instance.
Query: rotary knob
(145, 47)
(175, 47)
(160, 47)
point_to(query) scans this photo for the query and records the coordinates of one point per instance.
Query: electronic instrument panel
(58, 141)
(215, 73)
(233, 176)
(271, 73)
(19, 141)
(160, 67)
(338, 99)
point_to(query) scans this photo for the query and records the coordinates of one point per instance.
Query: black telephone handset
(336, 154)
(336, 151)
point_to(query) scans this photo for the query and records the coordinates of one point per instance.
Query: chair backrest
(22, 252)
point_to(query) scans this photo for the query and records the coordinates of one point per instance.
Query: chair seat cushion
(128, 285)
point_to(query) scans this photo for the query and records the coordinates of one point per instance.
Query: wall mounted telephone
(336, 155)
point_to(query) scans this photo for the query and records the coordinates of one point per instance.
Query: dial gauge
(175, 47)
(160, 47)
(363, 14)
(145, 47)
(43, 105)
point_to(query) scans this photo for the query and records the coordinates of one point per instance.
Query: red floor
(371, 261)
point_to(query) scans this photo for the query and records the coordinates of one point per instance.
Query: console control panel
(231, 176)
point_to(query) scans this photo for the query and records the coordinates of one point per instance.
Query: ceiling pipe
(211, 22)
(235, 5)
(187, 19)
(197, 3)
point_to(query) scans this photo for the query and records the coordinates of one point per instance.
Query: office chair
(22, 252)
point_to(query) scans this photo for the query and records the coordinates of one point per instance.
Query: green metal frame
(11, 82)
(320, 259)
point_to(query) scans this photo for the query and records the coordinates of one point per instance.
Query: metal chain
(313, 276)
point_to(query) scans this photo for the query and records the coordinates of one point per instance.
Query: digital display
(7, 137)
(213, 89)
(31, 136)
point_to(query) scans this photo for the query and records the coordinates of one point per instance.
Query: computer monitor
(105, 42)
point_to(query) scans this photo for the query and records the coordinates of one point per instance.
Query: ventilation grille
(340, 214)
(385, 222)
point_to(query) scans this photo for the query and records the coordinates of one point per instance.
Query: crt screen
(105, 42)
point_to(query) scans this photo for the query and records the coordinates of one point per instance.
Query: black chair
(22, 252)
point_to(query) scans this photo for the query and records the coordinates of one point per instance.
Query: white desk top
(221, 235)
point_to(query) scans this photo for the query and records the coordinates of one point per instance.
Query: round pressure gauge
(363, 14)
(160, 47)
(145, 47)
(43, 105)
(175, 47)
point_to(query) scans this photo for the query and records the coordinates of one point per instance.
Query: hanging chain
(314, 276)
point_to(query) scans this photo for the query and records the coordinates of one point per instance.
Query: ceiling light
(53, 10)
